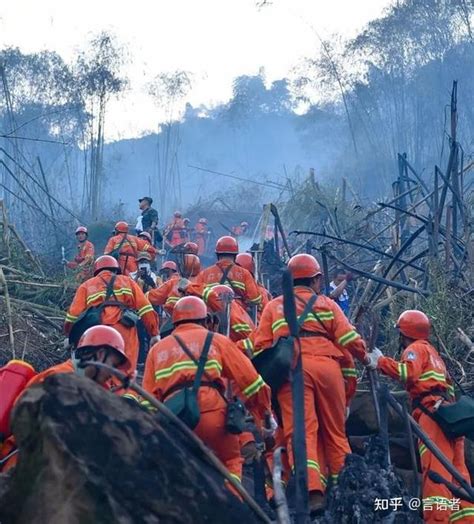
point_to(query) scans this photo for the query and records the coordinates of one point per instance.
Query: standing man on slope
(226, 271)
(170, 369)
(121, 304)
(324, 329)
(125, 248)
(424, 374)
(84, 259)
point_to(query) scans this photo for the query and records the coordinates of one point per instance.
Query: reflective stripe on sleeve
(144, 310)
(349, 337)
(255, 387)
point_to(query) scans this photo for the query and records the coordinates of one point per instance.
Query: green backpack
(184, 403)
(456, 419)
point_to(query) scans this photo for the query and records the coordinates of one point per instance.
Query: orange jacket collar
(188, 326)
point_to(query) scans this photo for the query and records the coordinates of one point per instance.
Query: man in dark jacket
(149, 218)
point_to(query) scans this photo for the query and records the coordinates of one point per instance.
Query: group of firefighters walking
(206, 325)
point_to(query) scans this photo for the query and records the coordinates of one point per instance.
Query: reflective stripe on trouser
(211, 430)
(324, 419)
(436, 512)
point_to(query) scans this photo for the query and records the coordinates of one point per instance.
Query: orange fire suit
(238, 278)
(200, 235)
(238, 231)
(241, 325)
(175, 232)
(92, 293)
(265, 294)
(325, 398)
(130, 247)
(167, 294)
(424, 374)
(83, 261)
(167, 366)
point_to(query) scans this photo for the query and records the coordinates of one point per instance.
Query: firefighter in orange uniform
(246, 261)
(239, 321)
(125, 248)
(225, 271)
(84, 259)
(323, 330)
(167, 294)
(423, 372)
(99, 343)
(127, 303)
(201, 235)
(240, 230)
(169, 369)
(175, 231)
(148, 246)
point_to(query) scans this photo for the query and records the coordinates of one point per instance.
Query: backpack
(274, 364)
(14, 377)
(184, 403)
(115, 253)
(235, 412)
(456, 419)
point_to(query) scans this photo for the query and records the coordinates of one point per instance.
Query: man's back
(237, 277)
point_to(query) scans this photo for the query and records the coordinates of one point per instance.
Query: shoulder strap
(202, 361)
(200, 371)
(314, 298)
(122, 242)
(134, 248)
(225, 274)
(307, 309)
(109, 287)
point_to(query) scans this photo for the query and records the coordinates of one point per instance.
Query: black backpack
(274, 364)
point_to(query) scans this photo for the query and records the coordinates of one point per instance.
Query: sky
(214, 40)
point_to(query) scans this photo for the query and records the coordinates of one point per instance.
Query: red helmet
(224, 294)
(97, 337)
(189, 308)
(202, 220)
(178, 214)
(246, 261)
(121, 227)
(81, 229)
(146, 235)
(191, 265)
(244, 224)
(304, 266)
(169, 264)
(105, 262)
(191, 248)
(227, 246)
(414, 324)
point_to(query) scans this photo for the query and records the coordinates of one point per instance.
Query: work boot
(316, 503)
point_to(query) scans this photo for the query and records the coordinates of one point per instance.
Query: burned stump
(87, 455)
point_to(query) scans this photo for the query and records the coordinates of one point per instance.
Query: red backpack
(13, 379)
